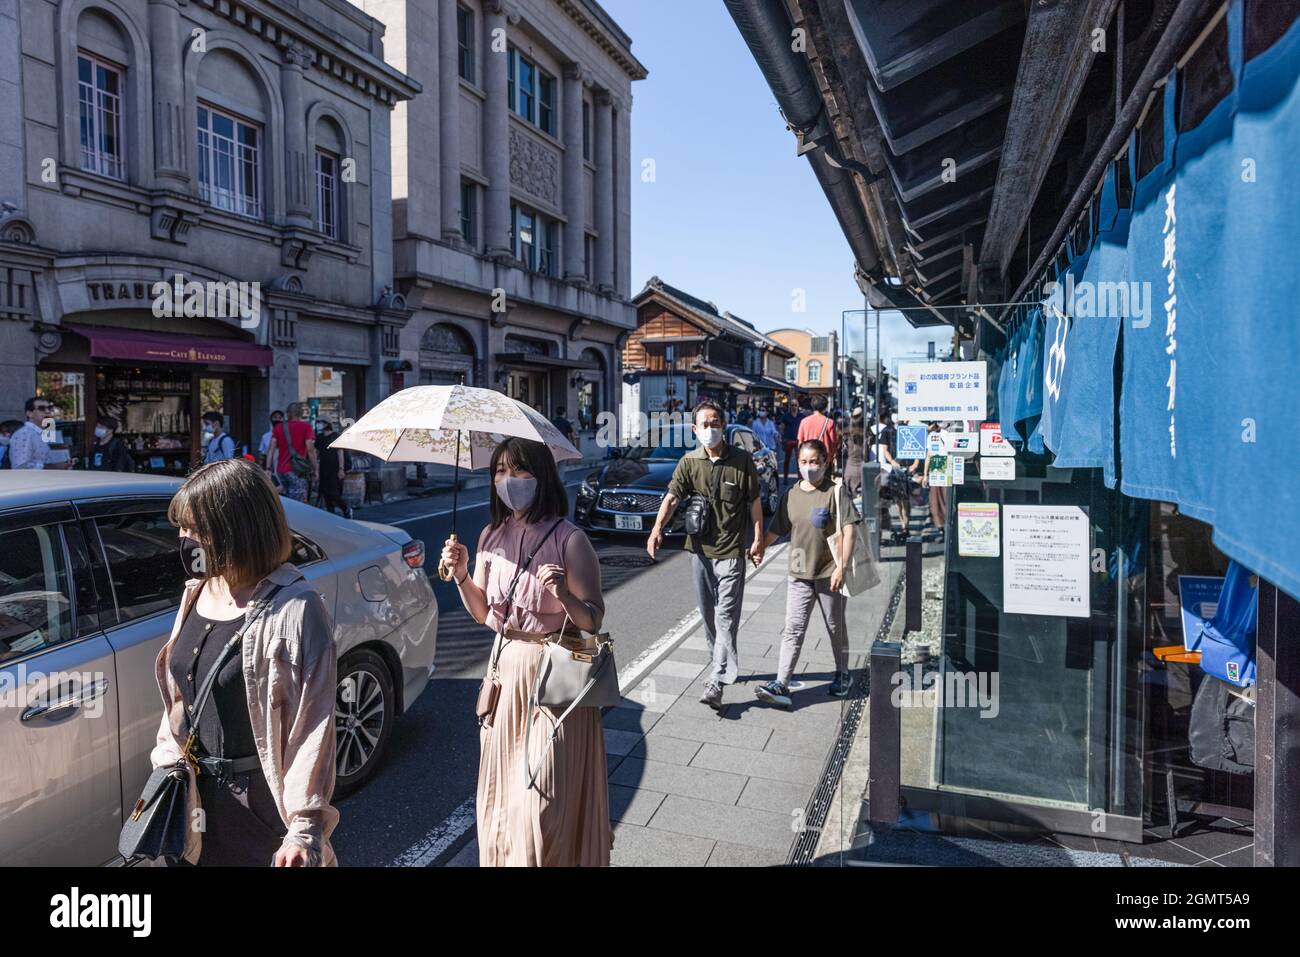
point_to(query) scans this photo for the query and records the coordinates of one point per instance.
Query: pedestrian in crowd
(265, 743)
(938, 494)
(855, 446)
(564, 426)
(291, 454)
(7, 429)
(109, 453)
(820, 426)
(27, 446)
(808, 514)
(788, 420)
(745, 414)
(893, 478)
(727, 479)
(218, 445)
(276, 418)
(534, 573)
(334, 465)
(765, 429)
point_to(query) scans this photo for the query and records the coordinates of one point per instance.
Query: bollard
(914, 586)
(885, 747)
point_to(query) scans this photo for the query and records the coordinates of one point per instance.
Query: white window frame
(328, 198)
(814, 372)
(791, 370)
(235, 199)
(101, 104)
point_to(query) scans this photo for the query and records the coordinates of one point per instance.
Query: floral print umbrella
(432, 423)
(453, 425)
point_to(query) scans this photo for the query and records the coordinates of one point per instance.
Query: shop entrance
(529, 388)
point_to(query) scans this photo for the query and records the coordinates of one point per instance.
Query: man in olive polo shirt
(726, 475)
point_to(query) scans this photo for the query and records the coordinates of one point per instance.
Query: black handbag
(158, 825)
(1221, 729)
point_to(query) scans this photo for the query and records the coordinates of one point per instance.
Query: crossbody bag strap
(210, 679)
(521, 565)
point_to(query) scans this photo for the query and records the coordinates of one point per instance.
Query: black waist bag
(698, 517)
(1221, 730)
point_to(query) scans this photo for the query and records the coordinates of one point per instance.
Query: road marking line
(430, 847)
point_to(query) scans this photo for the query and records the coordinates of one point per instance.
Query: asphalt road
(431, 765)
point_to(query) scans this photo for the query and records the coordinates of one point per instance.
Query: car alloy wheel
(363, 718)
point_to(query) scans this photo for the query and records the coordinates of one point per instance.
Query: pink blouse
(534, 608)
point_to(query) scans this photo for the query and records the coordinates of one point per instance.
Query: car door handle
(54, 709)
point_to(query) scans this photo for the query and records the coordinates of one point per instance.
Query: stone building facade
(511, 197)
(233, 145)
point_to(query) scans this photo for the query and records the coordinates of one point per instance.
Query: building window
(99, 86)
(589, 255)
(327, 194)
(468, 212)
(533, 240)
(531, 91)
(465, 43)
(546, 102)
(230, 162)
(791, 370)
(586, 130)
(814, 372)
(821, 344)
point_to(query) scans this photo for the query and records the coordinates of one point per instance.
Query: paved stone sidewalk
(691, 786)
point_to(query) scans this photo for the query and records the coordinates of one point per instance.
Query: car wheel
(363, 718)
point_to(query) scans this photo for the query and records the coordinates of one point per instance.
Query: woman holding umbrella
(534, 573)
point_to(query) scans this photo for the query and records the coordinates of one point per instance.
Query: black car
(624, 495)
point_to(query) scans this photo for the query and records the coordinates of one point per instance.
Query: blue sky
(732, 216)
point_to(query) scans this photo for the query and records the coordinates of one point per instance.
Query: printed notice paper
(977, 529)
(1045, 560)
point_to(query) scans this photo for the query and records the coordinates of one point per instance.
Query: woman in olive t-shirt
(808, 514)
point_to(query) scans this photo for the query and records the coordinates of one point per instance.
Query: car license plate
(630, 523)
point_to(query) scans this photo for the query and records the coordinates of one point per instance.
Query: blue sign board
(1198, 599)
(911, 442)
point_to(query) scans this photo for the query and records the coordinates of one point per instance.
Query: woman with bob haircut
(564, 820)
(265, 741)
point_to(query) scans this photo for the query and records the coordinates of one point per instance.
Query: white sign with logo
(964, 444)
(978, 533)
(1045, 561)
(992, 441)
(958, 469)
(938, 391)
(997, 469)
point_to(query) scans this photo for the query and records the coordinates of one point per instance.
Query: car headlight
(587, 490)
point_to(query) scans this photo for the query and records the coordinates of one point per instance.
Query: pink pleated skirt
(564, 820)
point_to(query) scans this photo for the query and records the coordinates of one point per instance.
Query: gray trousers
(800, 596)
(720, 587)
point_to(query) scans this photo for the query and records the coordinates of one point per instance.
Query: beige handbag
(570, 678)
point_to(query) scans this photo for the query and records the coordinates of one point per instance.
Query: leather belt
(514, 634)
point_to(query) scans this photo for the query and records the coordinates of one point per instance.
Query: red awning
(140, 346)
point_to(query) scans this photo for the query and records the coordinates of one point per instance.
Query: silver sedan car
(90, 580)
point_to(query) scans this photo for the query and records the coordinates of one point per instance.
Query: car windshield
(672, 443)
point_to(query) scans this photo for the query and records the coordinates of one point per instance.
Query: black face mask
(193, 558)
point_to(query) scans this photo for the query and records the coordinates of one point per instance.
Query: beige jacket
(290, 665)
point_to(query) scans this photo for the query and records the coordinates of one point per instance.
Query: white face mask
(208, 436)
(100, 432)
(812, 474)
(516, 493)
(708, 437)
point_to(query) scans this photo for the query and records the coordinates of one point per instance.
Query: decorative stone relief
(534, 167)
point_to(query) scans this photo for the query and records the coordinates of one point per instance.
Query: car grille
(630, 501)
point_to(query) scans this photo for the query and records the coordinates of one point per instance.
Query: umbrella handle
(445, 571)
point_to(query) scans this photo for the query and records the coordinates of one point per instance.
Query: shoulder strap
(824, 427)
(519, 571)
(205, 689)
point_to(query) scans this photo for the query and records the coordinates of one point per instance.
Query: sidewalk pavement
(691, 786)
